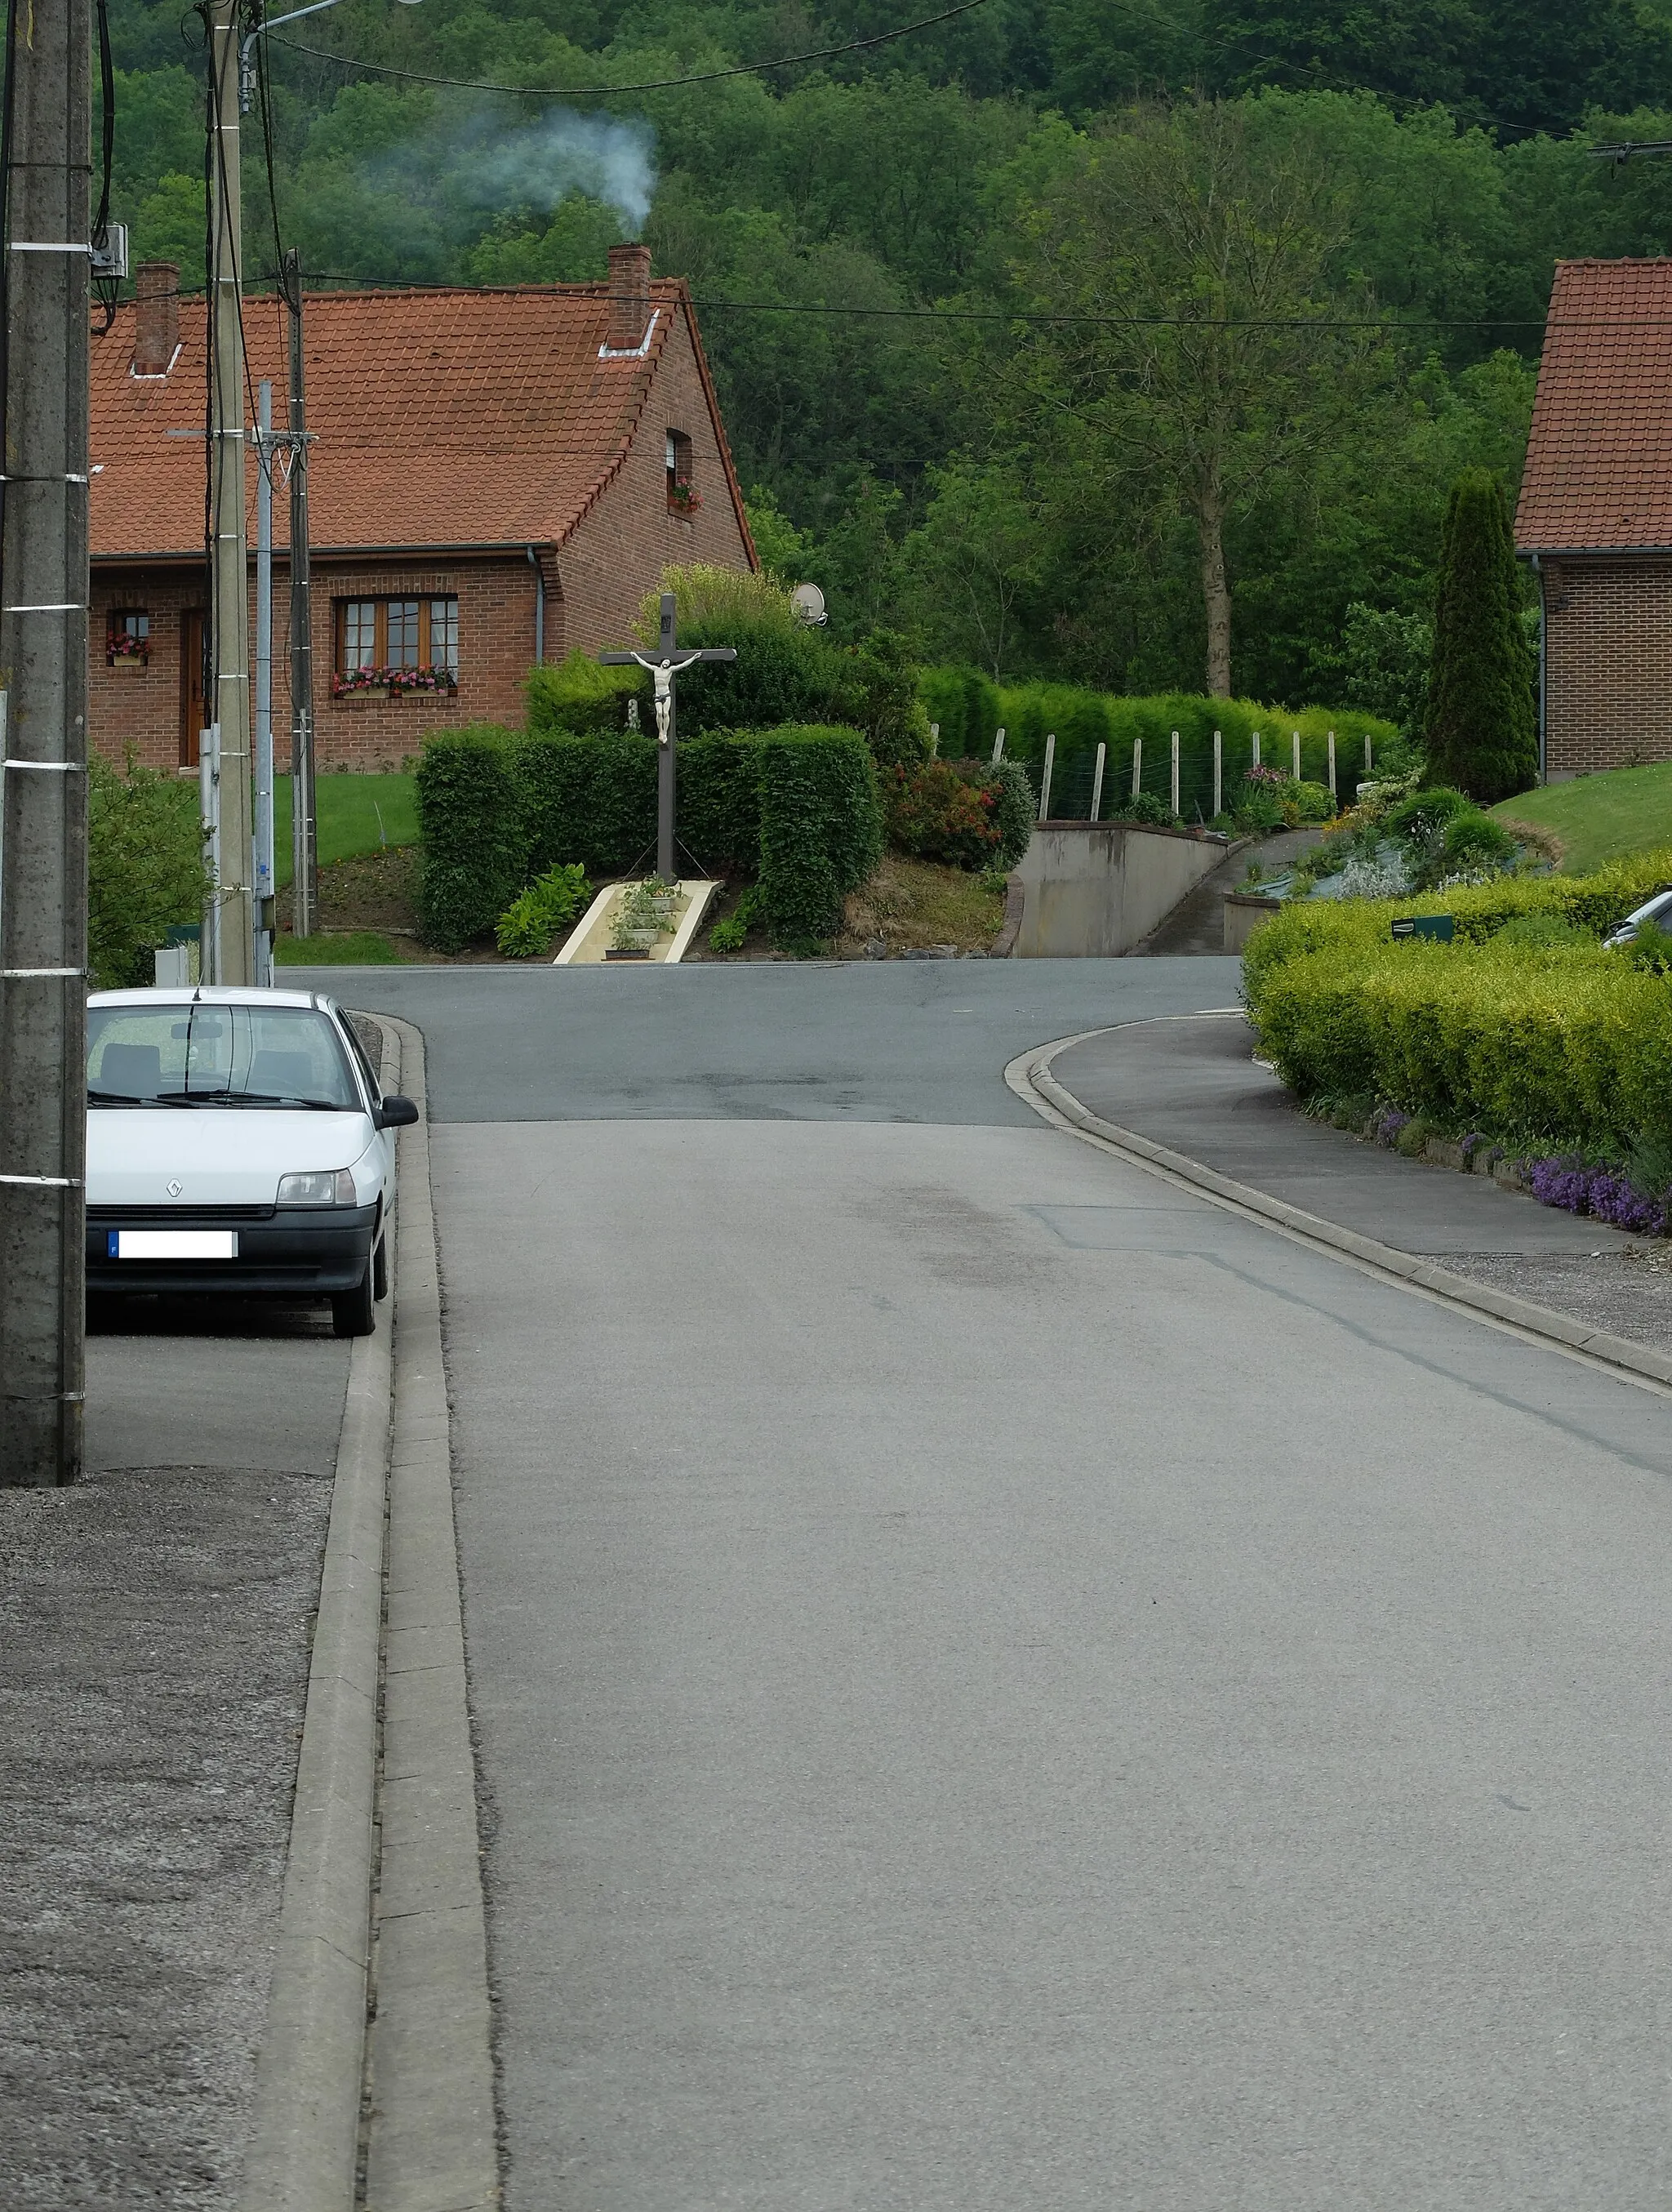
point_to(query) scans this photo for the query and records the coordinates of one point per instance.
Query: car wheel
(353, 1313)
(380, 1270)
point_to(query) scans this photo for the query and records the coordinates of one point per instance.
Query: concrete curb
(305, 2142)
(1029, 1077)
(432, 2140)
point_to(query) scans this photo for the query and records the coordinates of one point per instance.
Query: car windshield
(209, 1054)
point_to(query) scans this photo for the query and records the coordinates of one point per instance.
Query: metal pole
(1175, 775)
(1045, 784)
(209, 802)
(304, 832)
(43, 743)
(230, 566)
(1097, 783)
(264, 684)
(1219, 774)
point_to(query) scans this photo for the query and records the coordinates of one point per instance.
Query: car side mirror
(395, 1112)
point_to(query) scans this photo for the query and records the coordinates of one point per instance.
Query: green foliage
(965, 703)
(471, 818)
(1650, 948)
(588, 799)
(785, 670)
(1542, 929)
(578, 695)
(785, 552)
(1144, 808)
(1381, 665)
(1422, 816)
(727, 936)
(935, 813)
(883, 690)
(1015, 809)
(821, 829)
(1481, 730)
(337, 948)
(145, 868)
(550, 903)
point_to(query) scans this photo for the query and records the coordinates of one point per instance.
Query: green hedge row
(1569, 1044)
(797, 806)
(970, 709)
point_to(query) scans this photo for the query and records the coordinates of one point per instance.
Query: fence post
(1097, 784)
(1175, 782)
(1256, 749)
(1332, 763)
(1297, 756)
(1137, 765)
(1045, 781)
(1367, 759)
(1219, 774)
(934, 739)
(999, 745)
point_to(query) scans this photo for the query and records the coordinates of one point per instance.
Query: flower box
(393, 683)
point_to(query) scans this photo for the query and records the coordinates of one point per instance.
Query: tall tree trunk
(1215, 591)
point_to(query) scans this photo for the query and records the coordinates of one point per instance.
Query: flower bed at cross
(1525, 1031)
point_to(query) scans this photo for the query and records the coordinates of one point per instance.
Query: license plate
(170, 1244)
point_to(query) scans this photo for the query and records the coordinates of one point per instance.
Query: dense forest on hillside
(1122, 340)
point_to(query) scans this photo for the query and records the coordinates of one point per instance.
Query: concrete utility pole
(43, 746)
(304, 835)
(264, 684)
(230, 579)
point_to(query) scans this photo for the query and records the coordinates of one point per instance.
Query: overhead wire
(608, 91)
(106, 286)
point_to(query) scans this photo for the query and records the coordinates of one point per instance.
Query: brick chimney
(157, 317)
(629, 296)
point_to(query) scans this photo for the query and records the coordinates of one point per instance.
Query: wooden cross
(664, 664)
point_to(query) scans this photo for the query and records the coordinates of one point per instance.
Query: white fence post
(1137, 765)
(1175, 782)
(1045, 781)
(1297, 756)
(1367, 761)
(999, 745)
(1332, 763)
(1256, 749)
(1218, 774)
(1097, 784)
(934, 739)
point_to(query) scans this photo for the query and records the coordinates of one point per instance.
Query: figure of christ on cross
(664, 664)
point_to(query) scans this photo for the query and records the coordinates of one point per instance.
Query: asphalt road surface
(1001, 1685)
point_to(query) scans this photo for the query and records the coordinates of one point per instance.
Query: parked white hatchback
(238, 1145)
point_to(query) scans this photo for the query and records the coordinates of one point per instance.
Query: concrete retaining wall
(1097, 888)
(1243, 914)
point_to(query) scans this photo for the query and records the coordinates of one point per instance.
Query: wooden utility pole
(304, 833)
(229, 561)
(43, 745)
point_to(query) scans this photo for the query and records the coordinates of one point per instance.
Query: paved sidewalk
(1196, 924)
(1192, 1084)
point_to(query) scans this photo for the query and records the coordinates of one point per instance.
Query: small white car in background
(1657, 909)
(238, 1145)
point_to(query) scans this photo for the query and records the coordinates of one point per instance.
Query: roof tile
(1599, 461)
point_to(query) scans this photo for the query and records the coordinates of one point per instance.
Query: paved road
(1001, 1685)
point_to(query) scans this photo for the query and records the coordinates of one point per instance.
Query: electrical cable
(607, 91)
(106, 286)
(272, 183)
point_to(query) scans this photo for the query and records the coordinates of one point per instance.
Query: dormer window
(683, 497)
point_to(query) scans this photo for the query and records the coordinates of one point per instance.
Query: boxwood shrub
(472, 822)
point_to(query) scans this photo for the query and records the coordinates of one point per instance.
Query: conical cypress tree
(1482, 729)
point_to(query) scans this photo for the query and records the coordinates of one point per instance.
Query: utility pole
(304, 835)
(230, 576)
(43, 746)
(264, 684)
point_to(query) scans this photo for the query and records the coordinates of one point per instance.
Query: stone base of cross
(664, 664)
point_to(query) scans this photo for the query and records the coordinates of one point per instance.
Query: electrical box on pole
(44, 337)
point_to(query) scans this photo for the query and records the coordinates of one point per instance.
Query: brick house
(1594, 517)
(496, 477)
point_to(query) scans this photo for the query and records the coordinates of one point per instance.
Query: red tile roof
(1599, 463)
(440, 419)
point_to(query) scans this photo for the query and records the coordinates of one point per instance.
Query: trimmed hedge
(497, 808)
(1564, 1042)
(577, 694)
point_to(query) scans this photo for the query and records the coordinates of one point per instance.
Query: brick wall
(619, 550)
(1607, 656)
(144, 707)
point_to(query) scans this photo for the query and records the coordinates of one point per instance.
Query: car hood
(218, 1155)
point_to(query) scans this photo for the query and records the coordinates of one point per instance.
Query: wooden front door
(192, 684)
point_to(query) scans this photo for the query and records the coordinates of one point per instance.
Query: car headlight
(318, 1187)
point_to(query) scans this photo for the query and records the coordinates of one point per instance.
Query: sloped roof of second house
(439, 419)
(1599, 461)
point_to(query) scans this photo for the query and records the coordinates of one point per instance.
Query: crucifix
(664, 664)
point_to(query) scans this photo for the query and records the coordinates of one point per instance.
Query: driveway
(1000, 1683)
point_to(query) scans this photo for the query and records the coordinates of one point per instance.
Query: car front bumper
(283, 1251)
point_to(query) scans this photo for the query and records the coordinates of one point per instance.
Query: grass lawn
(357, 814)
(1599, 817)
(353, 948)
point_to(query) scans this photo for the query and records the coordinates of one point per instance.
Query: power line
(606, 91)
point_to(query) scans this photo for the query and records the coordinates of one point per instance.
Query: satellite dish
(808, 602)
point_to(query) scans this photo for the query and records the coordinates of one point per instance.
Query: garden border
(1030, 1078)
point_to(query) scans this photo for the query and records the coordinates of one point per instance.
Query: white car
(1657, 909)
(237, 1144)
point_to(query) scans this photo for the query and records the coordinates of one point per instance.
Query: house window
(396, 646)
(683, 497)
(127, 636)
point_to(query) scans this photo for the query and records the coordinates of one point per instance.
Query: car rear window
(223, 1055)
